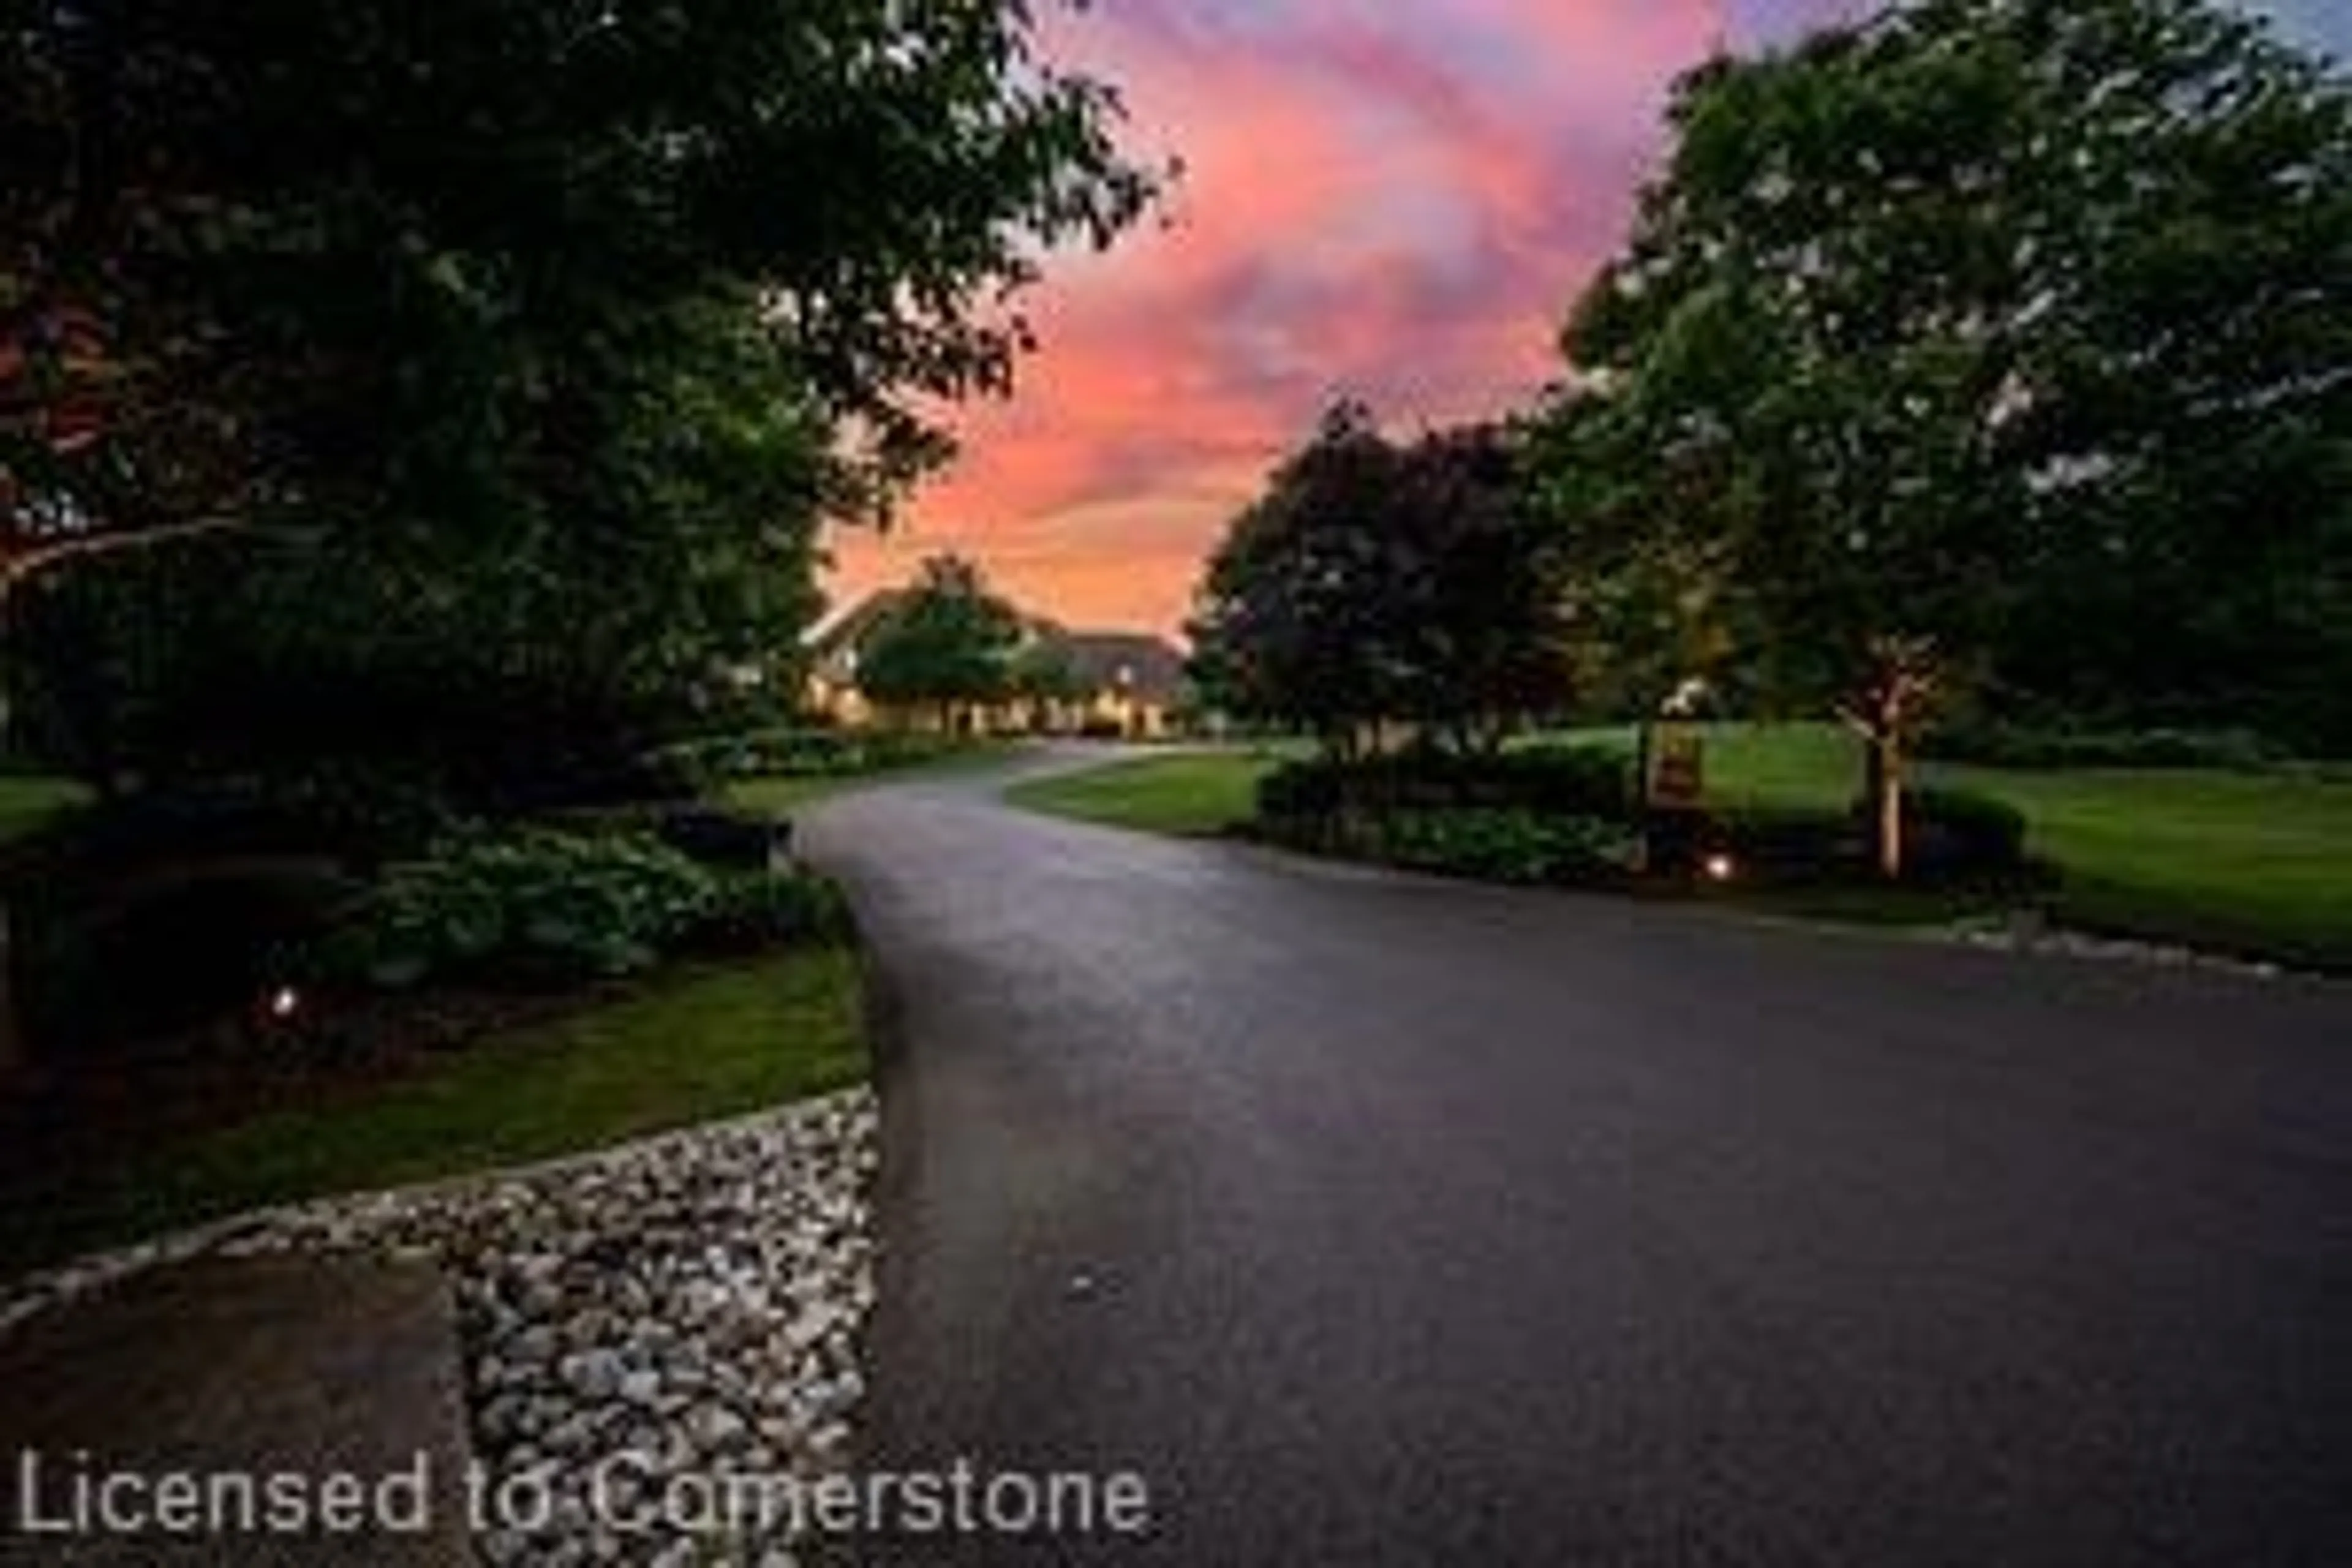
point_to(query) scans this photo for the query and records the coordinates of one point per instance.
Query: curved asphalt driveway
(1379, 1220)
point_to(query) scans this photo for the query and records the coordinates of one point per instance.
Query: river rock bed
(638, 1325)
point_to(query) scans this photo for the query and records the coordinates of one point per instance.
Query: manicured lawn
(1185, 793)
(28, 801)
(2257, 862)
(783, 796)
(705, 1043)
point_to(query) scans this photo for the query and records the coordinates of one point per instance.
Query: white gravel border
(685, 1306)
(2029, 935)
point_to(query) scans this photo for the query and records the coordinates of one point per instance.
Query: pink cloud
(1397, 203)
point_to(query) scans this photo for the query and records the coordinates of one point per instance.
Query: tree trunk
(1902, 678)
(1884, 790)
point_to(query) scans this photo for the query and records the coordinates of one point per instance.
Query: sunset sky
(1393, 201)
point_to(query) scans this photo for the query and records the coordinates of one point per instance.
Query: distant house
(1122, 683)
(834, 653)
(1133, 682)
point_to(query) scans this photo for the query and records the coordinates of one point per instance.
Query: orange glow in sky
(1395, 201)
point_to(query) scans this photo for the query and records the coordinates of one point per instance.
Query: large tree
(1288, 626)
(579, 315)
(1913, 332)
(1646, 609)
(1377, 581)
(1477, 614)
(561, 321)
(405, 253)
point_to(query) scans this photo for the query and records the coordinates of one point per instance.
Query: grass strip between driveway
(1188, 794)
(701, 1043)
(2256, 864)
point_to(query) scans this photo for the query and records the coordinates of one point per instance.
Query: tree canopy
(1376, 581)
(949, 643)
(1939, 331)
(552, 328)
(465, 222)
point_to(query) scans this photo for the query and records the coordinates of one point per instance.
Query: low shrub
(1568, 813)
(750, 910)
(798, 752)
(1947, 834)
(1786, 844)
(1503, 845)
(114, 959)
(1952, 832)
(905, 748)
(1586, 780)
(1565, 781)
(539, 905)
(727, 840)
(139, 917)
(721, 837)
(521, 903)
(357, 815)
(1300, 791)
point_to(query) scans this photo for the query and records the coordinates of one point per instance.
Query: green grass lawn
(703, 1043)
(1183, 793)
(26, 801)
(2258, 862)
(783, 796)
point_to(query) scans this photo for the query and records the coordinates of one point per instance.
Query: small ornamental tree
(948, 645)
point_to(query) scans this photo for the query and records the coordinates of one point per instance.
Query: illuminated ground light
(1719, 867)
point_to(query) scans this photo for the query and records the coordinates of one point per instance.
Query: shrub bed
(722, 838)
(1567, 813)
(1546, 814)
(1503, 845)
(799, 752)
(350, 815)
(1948, 835)
(536, 904)
(1961, 832)
(104, 962)
(1564, 781)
